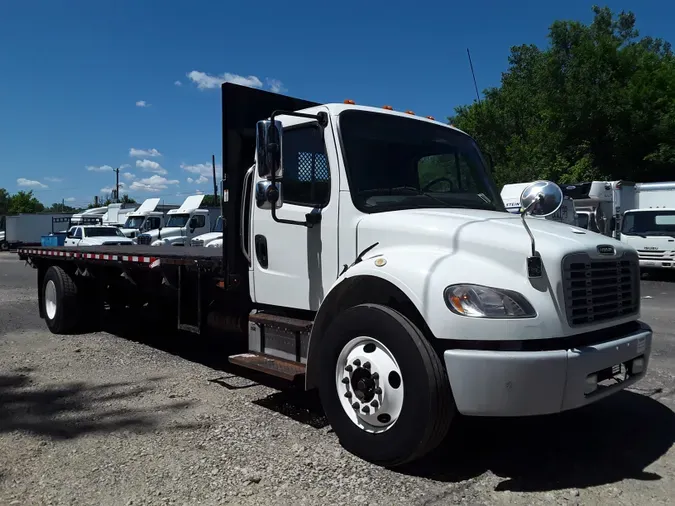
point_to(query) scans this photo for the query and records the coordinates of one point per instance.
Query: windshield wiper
(411, 189)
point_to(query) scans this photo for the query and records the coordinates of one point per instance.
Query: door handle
(261, 250)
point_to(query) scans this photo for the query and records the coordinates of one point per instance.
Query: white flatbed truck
(369, 255)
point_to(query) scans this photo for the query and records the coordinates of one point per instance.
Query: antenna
(474, 75)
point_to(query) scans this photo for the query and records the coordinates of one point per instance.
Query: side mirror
(541, 198)
(269, 149)
(267, 195)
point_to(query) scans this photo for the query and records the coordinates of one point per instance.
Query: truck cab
(182, 224)
(95, 235)
(143, 219)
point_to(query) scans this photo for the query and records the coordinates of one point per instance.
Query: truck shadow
(613, 440)
(69, 410)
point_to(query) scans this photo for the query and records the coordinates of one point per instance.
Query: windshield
(649, 223)
(218, 227)
(399, 163)
(103, 232)
(178, 220)
(134, 222)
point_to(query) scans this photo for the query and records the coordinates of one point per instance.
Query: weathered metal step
(281, 322)
(268, 364)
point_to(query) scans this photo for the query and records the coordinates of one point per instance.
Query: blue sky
(90, 85)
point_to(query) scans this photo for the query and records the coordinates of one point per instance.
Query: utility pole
(63, 205)
(215, 185)
(475, 86)
(117, 184)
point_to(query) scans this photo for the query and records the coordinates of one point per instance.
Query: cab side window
(198, 221)
(306, 179)
(78, 233)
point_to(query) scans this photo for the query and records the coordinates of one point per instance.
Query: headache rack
(600, 289)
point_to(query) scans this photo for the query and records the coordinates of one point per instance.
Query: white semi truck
(600, 204)
(146, 218)
(182, 224)
(213, 239)
(650, 228)
(405, 297)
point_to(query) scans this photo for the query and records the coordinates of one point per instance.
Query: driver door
(293, 265)
(74, 237)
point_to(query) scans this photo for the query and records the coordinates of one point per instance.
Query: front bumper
(658, 263)
(524, 383)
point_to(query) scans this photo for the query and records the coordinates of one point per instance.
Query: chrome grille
(598, 290)
(144, 239)
(646, 254)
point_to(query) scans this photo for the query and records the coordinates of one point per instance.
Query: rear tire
(4, 246)
(409, 403)
(60, 301)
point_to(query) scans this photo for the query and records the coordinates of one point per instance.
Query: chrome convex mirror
(541, 198)
(269, 135)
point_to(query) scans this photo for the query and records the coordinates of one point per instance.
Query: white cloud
(206, 81)
(151, 166)
(125, 166)
(128, 176)
(203, 169)
(54, 179)
(144, 152)
(152, 184)
(30, 183)
(275, 85)
(199, 192)
(190, 180)
(71, 199)
(178, 83)
(142, 103)
(101, 168)
(200, 180)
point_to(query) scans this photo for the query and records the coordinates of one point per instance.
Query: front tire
(60, 301)
(4, 246)
(383, 387)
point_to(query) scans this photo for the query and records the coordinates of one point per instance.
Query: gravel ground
(147, 418)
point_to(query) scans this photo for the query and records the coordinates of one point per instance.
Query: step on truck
(368, 255)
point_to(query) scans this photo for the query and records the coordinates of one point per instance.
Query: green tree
(4, 201)
(598, 103)
(24, 202)
(210, 201)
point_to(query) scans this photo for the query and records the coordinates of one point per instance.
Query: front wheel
(383, 387)
(4, 246)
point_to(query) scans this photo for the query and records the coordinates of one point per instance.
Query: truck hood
(496, 236)
(208, 237)
(104, 240)
(166, 233)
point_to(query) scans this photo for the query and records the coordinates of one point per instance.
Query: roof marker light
(388, 107)
(350, 102)
(431, 118)
(410, 112)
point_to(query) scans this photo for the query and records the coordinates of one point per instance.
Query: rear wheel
(4, 246)
(60, 301)
(383, 387)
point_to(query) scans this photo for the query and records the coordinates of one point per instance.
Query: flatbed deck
(135, 254)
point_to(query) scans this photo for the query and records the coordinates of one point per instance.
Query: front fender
(383, 274)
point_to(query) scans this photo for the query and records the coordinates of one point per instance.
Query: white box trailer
(26, 229)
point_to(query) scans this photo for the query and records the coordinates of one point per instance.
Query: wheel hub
(365, 368)
(363, 384)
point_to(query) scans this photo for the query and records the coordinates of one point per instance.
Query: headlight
(484, 302)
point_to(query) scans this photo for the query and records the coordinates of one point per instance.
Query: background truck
(368, 255)
(24, 229)
(650, 228)
(213, 239)
(182, 224)
(600, 204)
(149, 216)
(511, 193)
